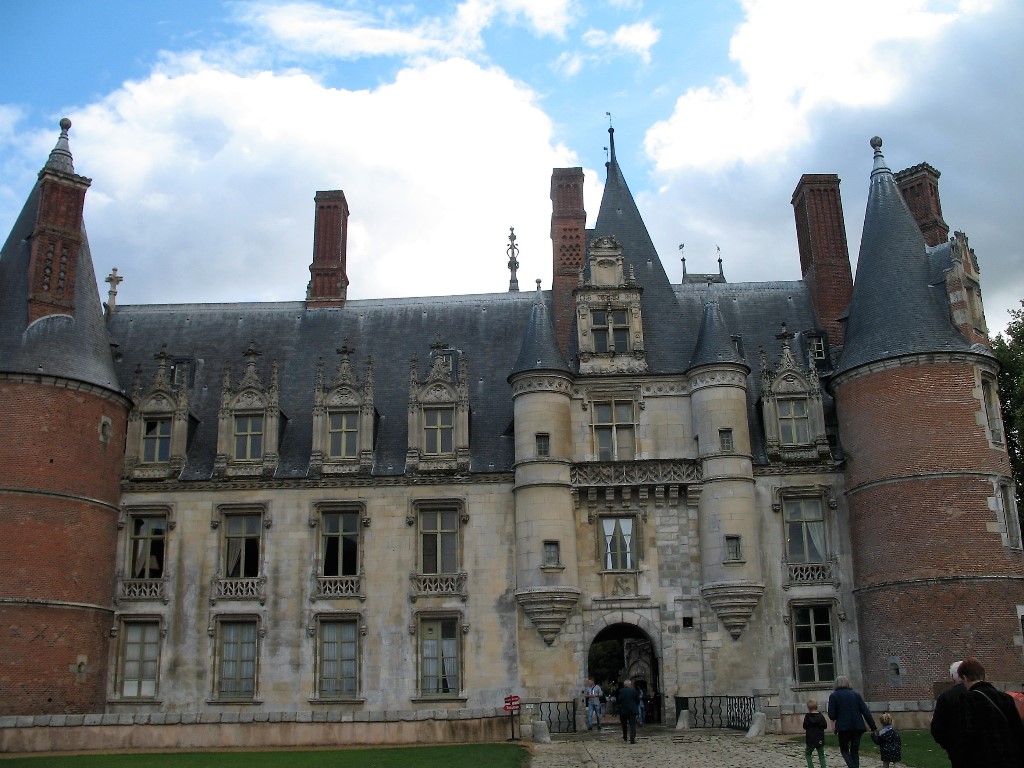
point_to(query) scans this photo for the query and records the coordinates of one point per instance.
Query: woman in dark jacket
(848, 713)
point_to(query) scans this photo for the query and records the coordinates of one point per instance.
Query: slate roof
(540, 351)
(899, 306)
(73, 346)
(392, 330)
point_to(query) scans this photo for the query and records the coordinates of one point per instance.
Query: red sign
(511, 707)
(511, 699)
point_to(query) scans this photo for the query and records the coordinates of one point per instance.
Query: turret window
(611, 330)
(725, 441)
(543, 444)
(993, 417)
(614, 430)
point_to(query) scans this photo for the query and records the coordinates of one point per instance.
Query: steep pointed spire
(714, 343)
(895, 310)
(540, 349)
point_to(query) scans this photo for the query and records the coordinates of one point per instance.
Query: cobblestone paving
(659, 746)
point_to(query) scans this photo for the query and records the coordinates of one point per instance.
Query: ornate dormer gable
(343, 419)
(963, 285)
(608, 314)
(158, 424)
(794, 420)
(248, 423)
(439, 412)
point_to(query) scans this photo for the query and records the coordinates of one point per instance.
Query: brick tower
(61, 447)
(935, 541)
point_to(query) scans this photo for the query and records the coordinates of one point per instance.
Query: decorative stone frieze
(548, 608)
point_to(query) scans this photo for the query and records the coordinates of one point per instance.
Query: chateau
(409, 509)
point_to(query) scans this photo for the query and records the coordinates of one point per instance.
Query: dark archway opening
(625, 650)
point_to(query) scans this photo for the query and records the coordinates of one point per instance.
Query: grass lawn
(457, 756)
(919, 750)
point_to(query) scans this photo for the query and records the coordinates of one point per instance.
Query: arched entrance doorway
(624, 650)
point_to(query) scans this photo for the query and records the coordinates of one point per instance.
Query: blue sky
(207, 127)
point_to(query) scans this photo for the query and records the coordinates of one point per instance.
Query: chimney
(328, 283)
(57, 237)
(824, 256)
(568, 243)
(920, 189)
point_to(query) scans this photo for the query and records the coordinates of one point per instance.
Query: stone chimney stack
(328, 284)
(568, 243)
(824, 255)
(920, 189)
(57, 235)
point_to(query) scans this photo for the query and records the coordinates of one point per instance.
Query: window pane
(603, 413)
(624, 412)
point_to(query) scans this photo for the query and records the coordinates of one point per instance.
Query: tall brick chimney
(328, 283)
(57, 235)
(824, 256)
(569, 246)
(920, 189)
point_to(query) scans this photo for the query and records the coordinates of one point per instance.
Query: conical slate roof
(74, 346)
(540, 349)
(898, 308)
(668, 337)
(714, 342)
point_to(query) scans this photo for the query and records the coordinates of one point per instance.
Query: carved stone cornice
(548, 608)
(718, 377)
(545, 382)
(633, 473)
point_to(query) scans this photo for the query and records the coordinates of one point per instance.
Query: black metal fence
(560, 715)
(719, 711)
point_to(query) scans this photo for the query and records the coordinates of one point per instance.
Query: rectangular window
(614, 430)
(438, 430)
(439, 656)
(338, 658)
(339, 544)
(140, 659)
(552, 553)
(618, 543)
(611, 330)
(992, 414)
(146, 546)
(543, 444)
(805, 531)
(156, 440)
(793, 422)
(236, 656)
(817, 347)
(1010, 519)
(813, 644)
(248, 437)
(439, 540)
(733, 550)
(242, 538)
(725, 443)
(342, 434)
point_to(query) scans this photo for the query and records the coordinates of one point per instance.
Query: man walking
(629, 708)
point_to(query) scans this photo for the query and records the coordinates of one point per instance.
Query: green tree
(1010, 351)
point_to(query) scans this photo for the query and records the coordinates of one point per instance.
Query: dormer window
(611, 330)
(439, 413)
(794, 420)
(158, 426)
(343, 420)
(248, 423)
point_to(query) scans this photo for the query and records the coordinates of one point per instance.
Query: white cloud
(204, 181)
(798, 57)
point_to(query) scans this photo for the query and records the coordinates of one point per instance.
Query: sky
(207, 127)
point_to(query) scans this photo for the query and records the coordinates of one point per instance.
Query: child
(888, 740)
(815, 725)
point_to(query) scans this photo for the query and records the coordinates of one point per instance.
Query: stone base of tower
(54, 659)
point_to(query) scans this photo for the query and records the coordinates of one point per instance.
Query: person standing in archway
(629, 708)
(593, 692)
